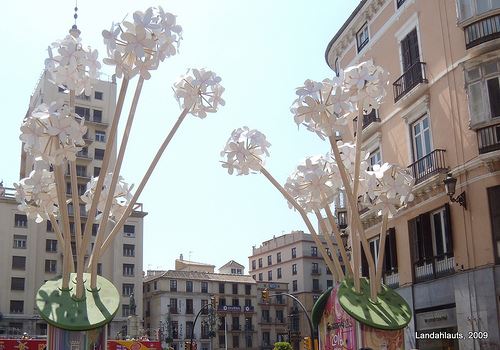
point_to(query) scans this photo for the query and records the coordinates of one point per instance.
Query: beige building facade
(181, 296)
(291, 259)
(441, 115)
(30, 253)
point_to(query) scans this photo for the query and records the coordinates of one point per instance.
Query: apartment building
(30, 253)
(441, 115)
(183, 295)
(291, 259)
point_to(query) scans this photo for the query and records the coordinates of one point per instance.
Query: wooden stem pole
(144, 180)
(303, 214)
(340, 274)
(57, 229)
(338, 238)
(104, 167)
(381, 252)
(116, 173)
(78, 231)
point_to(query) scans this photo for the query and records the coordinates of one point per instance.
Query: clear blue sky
(262, 49)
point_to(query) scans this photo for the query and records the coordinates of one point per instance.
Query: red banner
(38, 344)
(22, 344)
(133, 345)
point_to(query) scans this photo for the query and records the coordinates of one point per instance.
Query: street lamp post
(266, 296)
(211, 315)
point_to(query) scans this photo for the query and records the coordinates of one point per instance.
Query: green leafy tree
(282, 345)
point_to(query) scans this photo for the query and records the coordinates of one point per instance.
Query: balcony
(488, 138)
(429, 165)
(235, 328)
(391, 279)
(316, 271)
(435, 267)
(249, 328)
(316, 288)
(368, 119)
(483, 30)
(411, 78)
(83, 155)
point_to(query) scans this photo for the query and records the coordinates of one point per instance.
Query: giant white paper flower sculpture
(73, 67)
(52, 133)
(199, 91)
(321, 107)
(121, 196)
(366, 84)
(37, 193)
(314, 184)
(245, 151)
(139, 46)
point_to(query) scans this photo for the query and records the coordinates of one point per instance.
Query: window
(221, 288)
(236, 341)
(270, 275)
(16, 306)
(49, 226)
(97, 116)
(375, 158)
(421, 138)
(260, 262)
(294, 253)
(269, 260)
(294, 286)
(294, 269)
(100, 136)
(175, 329)
(189, 306)
(248, 289)
(20, 220)
(278, 273)
(248, 302)
(314, 251)
(155, 285)
(254, 264)
(81, 189)
(315, 268)
(125, 310)
(20, 241)
(400, 3)
(189, 327)
(483, 92)
(95, 228)
(235, 302)
(129, 230)
(279, 299)
(189, 286)
(432, 244)
(128, 250)
(494, 204)
(469, 8)
(204, 287)
(173, 285)
(83, 112)
(235, 288)
(97, 95)
(362, 37)
(128, 270)
(18, 263)
(97, 171)
(265, 315)
(329, 283)
(17, 283)
(99, 154)
(279, 316)
(316, 286)
(260, 276)
(266, 338)
(127, 289)
(222, 341)
(278, 257)
(99, 269)
(173, 302)
(222, 301)
(51, 266)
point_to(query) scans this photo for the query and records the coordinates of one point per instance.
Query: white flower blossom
(37, 194)
(53, 134)
(199, 91)
(245, 151)
(138, 46)
(366, 84)
(73, 67)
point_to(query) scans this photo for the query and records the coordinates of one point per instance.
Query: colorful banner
(337, 329)
(22, 344)
(62, 339)
(133, 345)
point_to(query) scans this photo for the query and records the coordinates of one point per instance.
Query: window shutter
(426, 234)
(448, 231)
(391, 260)
(412, 232)
(364, 263)
(476, 97)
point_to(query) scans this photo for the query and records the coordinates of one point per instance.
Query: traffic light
(307, 343)
(265, 295)
(187, 345)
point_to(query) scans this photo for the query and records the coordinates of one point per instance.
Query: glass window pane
(473, 74)
(465, 9)
(477, 111)
(482, 6)
(494, 96)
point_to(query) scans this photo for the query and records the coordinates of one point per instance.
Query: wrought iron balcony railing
(429, 165)
(435, 267)
(482, 31)
(411, 78)
(488, 138)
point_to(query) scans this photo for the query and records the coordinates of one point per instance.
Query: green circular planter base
(389, 312)
(59, 307)
(319, 307)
